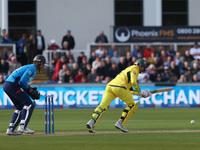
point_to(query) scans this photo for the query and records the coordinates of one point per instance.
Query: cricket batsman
(17, 88)
(121, 86)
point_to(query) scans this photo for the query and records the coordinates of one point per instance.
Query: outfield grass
(74, 120)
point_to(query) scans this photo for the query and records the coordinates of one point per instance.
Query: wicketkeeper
(121, 86)
(17, 88)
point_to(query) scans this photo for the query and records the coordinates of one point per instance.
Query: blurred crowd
(164, 65)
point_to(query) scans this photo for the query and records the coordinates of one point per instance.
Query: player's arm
(134, 76)
(25, 79)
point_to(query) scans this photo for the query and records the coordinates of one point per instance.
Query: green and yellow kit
(120, 86)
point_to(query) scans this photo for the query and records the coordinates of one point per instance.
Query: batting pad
(130, 113)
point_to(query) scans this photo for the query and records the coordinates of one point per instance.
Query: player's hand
(148, 93)
(33, 93)
(144, 93)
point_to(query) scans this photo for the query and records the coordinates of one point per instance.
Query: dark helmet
(141, 62)
(39, 58)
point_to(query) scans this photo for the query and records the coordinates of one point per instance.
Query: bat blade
(162, 90)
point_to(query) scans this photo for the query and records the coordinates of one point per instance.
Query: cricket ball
(192, 121)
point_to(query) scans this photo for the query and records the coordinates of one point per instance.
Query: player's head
(142, 64)
(39, 61)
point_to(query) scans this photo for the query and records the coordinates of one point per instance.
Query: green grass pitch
(144, 126)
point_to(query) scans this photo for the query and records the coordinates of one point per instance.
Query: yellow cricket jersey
(127, 79)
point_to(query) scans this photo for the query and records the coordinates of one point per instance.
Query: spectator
(195, 78)
(113, 71)
(100, 50)
(6, 39)
(195, 68)
(71, 80)
(136, 51)
(185, 67)
(171, 52)
(62, 73)
(54, 60)
(30, 46)
(122, 65)
(3, 34)
(147, 52)
(1, 79)
(65, 46)
(158, 64)
(195, 51)
(75, 69)
(92, 75)
(4, 67)
(166, 75)
(159, 50)
(133, 60)
(177, 58)
(101, 70)
(141, 77)
(158, 78)
(115, 58)
(84, 79)
(174, 71)
(20, 50)
(181, 65)
(102, 38)
(67, 76)
(79, 76)
(88, 69)
(145, 79)
(40, 41)
(150, 68)
(163, 56)
(84, 63)
(107, 79)
(7, 54)
(92, 57)
(70, 64)
(53, 45)
(108, 63)
(58, 66)
(14, 64)
(98, 79)
(189, 75)
(153, 75)
(95, 63)
(112, 50)
(151, 58)
(68, 55)
(70, 39)
(80, 59)
(168, 61)
(182, 79)
(187, 57)
(128, 59)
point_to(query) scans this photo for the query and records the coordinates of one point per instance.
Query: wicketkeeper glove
(33, 93)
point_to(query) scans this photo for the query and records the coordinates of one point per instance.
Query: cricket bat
(162, 90)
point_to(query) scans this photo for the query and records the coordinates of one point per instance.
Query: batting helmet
(39, 58)
(141, 62)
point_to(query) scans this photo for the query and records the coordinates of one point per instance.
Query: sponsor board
(129, 34)
(90, 97)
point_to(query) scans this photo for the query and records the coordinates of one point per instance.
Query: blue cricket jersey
(25, 74)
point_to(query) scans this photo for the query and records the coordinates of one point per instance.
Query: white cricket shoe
(118, 125)
(25, 130)
(10, 131)
(90, 126)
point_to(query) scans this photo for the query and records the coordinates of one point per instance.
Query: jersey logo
(134, 72)
(29, 72)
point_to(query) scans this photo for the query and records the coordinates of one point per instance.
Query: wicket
(49, 102)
